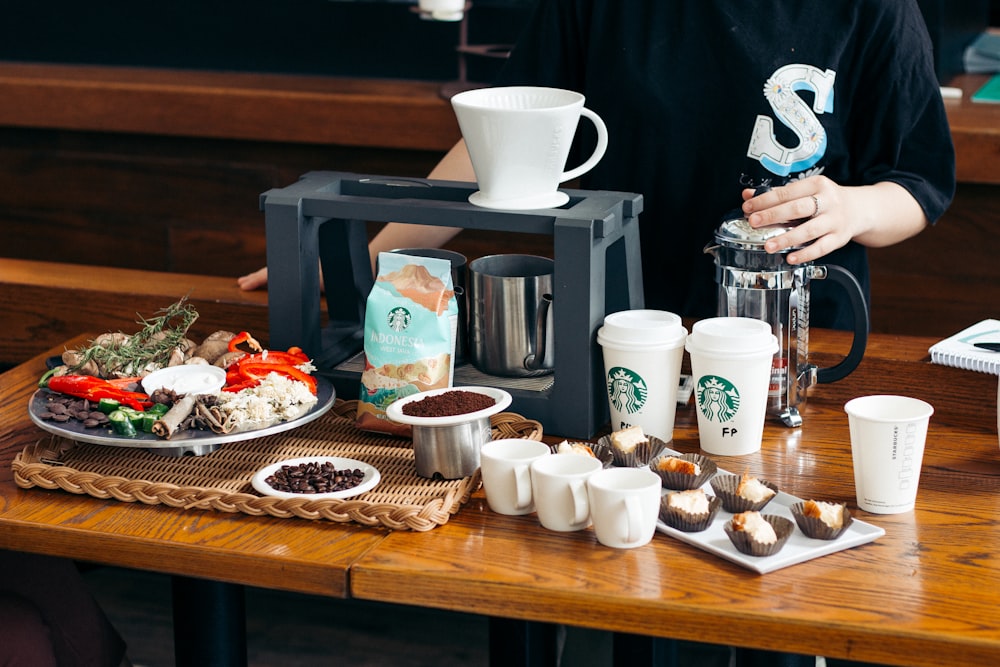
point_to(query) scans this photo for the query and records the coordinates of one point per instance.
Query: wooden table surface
(926, 593)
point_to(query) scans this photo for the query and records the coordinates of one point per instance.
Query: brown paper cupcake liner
(602, 452)
(640, 456)
(815, 527)
(746, 544)
(680, 481)
(689, 523)
(725, 487)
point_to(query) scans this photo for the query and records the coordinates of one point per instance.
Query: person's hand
(252, 281)
(816, 206)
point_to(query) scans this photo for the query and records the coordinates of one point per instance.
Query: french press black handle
(846, 279)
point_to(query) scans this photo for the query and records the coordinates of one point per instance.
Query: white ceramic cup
(559, 490)
(624, 506)
(731, 361)
(888, 434)
(643, 350)
(519, 138)
(506, 469)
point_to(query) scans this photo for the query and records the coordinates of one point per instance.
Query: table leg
(209, 623)
(636, 650)
(515, 643)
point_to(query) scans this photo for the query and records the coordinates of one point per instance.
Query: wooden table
(926, 593)
(208, 552)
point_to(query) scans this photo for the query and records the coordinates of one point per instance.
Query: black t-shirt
(705, 97)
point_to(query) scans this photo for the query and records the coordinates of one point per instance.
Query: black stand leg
(516, 643)
(209, 624)
(637, 650)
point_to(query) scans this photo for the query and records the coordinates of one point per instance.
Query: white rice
(275, 399)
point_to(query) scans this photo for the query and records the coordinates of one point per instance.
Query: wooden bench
(44, 303)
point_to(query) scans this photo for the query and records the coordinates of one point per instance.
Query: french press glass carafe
(755, 283)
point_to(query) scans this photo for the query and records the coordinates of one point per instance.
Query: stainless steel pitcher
(510, 315)
(754, 283)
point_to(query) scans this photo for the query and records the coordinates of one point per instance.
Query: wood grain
(925, 594)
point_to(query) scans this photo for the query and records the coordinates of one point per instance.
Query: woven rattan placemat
(221, 480)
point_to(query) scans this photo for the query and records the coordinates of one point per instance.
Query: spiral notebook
(960, 350)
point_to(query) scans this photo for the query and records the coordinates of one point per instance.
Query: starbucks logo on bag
(627, 390)
(718, 400)
(398, 319)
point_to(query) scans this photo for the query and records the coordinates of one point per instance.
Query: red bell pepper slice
(250, 374)
(94, 389)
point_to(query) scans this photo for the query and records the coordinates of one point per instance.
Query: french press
(755, 283)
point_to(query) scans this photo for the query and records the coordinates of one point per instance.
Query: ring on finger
(815, 206)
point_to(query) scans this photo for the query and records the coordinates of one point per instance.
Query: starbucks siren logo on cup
(627, 390)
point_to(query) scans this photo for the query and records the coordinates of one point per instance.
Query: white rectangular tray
(797, 549)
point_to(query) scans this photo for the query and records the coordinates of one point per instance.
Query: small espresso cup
(559, 489)
(624, 506)
(519, 138)
(506, 470)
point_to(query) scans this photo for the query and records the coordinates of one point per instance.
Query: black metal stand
(598, 270)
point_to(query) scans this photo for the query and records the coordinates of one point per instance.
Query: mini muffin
(691, 510)
(742, 493)
(683, 471)
(631, 447)
(584, 449)
(821, 520)
(756, 534)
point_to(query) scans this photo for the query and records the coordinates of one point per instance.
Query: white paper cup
(506, 469)
(559, 490)
(887, 444)
(731, 361)
(643, 350)
(624, 506)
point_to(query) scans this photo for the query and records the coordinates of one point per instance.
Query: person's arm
(454, 166)
(876, 215)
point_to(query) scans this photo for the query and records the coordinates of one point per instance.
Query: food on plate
(678, 465)
(261, 387)
(162, 341)
(821, 520)
(741, 493)
(757, 534)
(832, 514)
(754, 524)
(567, 447)
(683, 471)
(753, 489)
(690, 510)
(628, 439)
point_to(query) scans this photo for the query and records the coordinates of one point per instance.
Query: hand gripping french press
(755, 283)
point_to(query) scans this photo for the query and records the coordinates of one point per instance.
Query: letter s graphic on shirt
(789, 107)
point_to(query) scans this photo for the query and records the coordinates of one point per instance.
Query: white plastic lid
(642, 328)
(734, 336)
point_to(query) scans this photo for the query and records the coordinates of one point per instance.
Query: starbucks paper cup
(887, 444)
(642, 352)
(731, 366)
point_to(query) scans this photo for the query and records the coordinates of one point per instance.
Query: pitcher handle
(535, 361)
(850, 284)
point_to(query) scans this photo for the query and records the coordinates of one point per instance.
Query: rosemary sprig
(153, 344)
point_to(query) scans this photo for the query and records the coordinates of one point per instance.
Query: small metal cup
(450, 452)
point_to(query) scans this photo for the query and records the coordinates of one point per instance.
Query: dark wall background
(364, 38)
